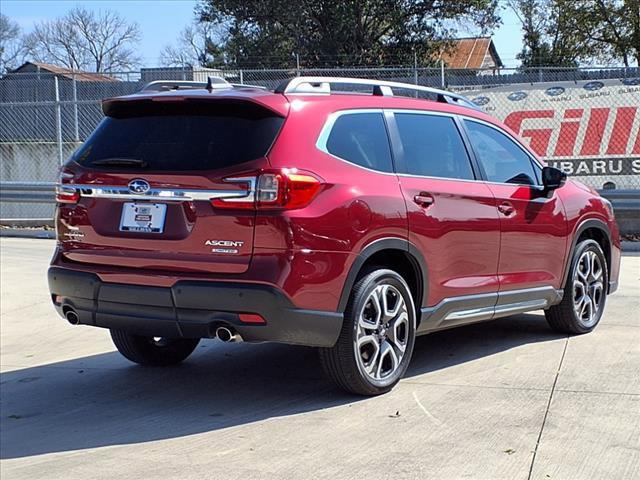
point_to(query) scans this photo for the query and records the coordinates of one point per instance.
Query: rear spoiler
(239, 96)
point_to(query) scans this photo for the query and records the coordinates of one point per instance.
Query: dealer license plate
(143, 217)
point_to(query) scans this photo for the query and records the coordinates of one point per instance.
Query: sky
(162, 20)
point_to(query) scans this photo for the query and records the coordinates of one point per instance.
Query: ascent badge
(224, 246)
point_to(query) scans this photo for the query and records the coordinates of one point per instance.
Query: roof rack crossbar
(322, 86)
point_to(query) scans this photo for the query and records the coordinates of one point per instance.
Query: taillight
(66, 193)
(284, 189)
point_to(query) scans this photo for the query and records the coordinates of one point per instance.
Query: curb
(27, 233)
(631, 246)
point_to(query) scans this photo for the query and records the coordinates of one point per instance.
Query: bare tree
(86, 40)
(12, 48)
(57, 42)
(196, 46)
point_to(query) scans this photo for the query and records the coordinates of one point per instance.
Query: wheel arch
(397, 254)
(594, 229)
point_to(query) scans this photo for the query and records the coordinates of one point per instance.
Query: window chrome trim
(421, 112)
(321, 143)
(483, 122)
(122, 192)
(325, 131)
(448, 179)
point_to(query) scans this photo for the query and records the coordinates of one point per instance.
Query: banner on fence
(585, 128)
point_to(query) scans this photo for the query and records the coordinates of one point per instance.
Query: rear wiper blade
(122, 162)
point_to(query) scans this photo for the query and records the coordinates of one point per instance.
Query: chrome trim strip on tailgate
(163, 194)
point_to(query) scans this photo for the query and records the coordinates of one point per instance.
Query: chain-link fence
(585, 121)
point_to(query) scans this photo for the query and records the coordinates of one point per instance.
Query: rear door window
(361, 138)
(180, 137)
(433, 146)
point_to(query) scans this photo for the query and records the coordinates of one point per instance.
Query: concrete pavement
(506, 399)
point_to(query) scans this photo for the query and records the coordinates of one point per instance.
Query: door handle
(506, 208)
(423, 199)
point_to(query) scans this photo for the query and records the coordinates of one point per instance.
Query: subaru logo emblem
(554, 91)
(592, 86)
(481, 101)
(517, 96)
(631, 81)
(139, 186)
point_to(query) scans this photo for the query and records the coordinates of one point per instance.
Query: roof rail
(322, 86)
(244, 85)
(166, 85)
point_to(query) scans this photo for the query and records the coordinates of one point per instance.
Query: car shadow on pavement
(103, 400)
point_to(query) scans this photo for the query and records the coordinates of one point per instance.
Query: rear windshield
(185, 136)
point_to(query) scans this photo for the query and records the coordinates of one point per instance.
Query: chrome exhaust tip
(72, 316)
(226, 334)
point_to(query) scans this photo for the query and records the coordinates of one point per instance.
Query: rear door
(452, 217)
(148, 176)
(533, 224)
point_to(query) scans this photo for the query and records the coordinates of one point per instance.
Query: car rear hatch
(141, 191)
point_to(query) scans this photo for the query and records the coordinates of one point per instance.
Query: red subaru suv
(345, 214)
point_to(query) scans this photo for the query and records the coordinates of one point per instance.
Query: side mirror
(552, 178)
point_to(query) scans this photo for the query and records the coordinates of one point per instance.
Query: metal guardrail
(626, 203)
(27, 192)
(626, 206)
(623, 200)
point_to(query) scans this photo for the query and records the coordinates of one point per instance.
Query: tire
(585, 291)
(153, 351)
(385, 341)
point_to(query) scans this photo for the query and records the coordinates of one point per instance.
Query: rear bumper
(190, 309)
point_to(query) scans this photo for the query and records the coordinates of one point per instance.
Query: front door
(533, 224)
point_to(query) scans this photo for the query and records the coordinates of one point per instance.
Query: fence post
(241, 77)
(297, 65)
(442, 82)
(58, 119)
(76, 127)
(415, 68)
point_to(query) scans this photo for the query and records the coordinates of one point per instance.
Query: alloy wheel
(588, 288)
(382, 332)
